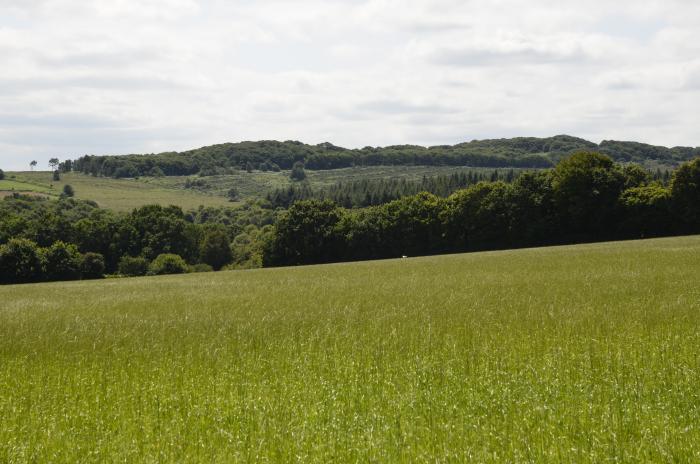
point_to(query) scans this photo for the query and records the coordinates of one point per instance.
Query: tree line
(520, 152)
(371, 192)
(66, 239)
(587, 197)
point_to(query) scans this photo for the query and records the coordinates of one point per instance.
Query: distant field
(258, 184)
(568, 354)
(116, 194)
(12, 185)
(126, 194)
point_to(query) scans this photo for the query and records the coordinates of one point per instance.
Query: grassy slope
(117, 194)
(575, 354)
(13, 185)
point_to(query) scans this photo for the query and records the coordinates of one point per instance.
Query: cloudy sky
(134, 76)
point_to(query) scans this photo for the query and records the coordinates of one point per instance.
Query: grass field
(568, 354)
(11, 185)
(116, 194)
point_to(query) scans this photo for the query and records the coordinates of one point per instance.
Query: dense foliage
(167, 263)
(587, 197)
(132, 266)
(21, 261)
(524, 152)
(68, 239)
(68, 191)
(215, 248)
(370, 192)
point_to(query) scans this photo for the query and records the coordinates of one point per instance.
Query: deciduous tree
(92, 266)
(19, 261)
(685, 189)
(61, 261)
(215, 249)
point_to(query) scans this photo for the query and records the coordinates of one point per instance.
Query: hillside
(114, 194)
(189, 192)
(521, 152)
(567, 354)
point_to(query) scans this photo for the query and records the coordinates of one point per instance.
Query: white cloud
(123, 76)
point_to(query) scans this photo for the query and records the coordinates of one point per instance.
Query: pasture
(10, 186)
(584, 353)
(116, 194)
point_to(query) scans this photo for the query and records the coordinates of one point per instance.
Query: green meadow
(115, 194)
(586, 353)
(10, 186)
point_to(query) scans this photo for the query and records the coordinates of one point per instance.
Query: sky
(143, 76)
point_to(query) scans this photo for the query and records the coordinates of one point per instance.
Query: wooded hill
(586, 197)
(522, 152)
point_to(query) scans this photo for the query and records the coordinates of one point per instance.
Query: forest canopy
(587, 197)
(520, 152)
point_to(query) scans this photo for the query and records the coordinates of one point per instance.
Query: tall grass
(569, 354)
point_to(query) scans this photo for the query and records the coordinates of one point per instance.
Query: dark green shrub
(167, 263)
(132, 266)
(92, 266)
(201, 267)
(68, 191)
